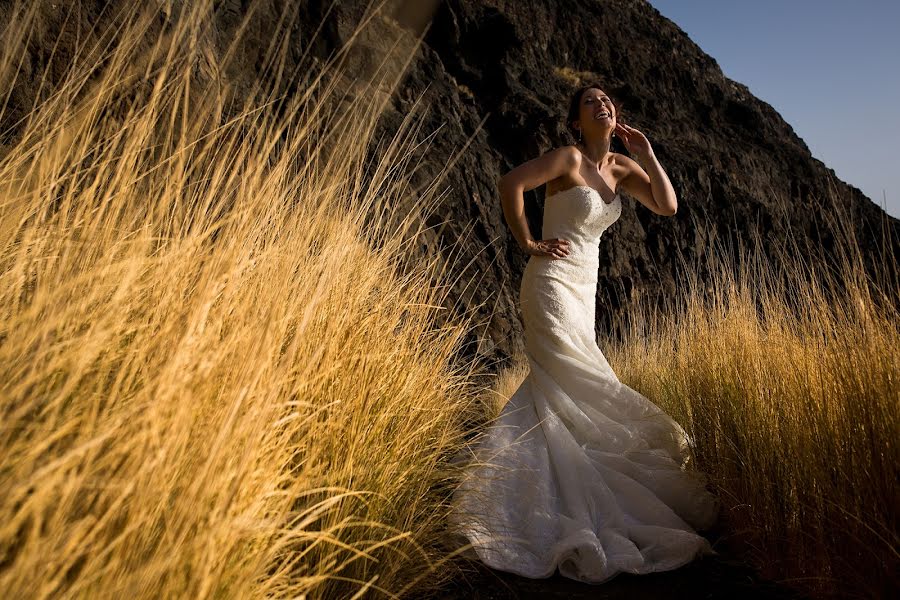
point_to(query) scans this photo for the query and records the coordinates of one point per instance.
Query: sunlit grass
(788, 379)
(219, 375)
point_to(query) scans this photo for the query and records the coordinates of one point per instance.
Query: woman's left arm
(651, 187)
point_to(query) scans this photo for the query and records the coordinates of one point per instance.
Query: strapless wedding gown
(579, 472)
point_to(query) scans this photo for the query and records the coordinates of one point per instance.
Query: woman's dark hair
(575, 104)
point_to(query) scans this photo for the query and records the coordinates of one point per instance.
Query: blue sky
(831, 69)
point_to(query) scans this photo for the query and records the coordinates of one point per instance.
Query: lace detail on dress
(579, 472)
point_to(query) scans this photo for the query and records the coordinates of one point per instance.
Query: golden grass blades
(788, 381)
(218, 377)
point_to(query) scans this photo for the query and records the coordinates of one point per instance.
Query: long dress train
(579, 472)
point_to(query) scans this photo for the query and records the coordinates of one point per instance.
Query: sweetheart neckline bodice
(583, 186)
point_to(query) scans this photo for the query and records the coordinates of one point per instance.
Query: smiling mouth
(602, 115)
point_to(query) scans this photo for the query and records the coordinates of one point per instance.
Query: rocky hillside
(496, 75)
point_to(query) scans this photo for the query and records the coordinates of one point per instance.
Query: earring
(579, 135)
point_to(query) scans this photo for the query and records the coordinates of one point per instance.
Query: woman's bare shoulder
(623, 160)
(569, 151)
(570, 155)
(625, 165)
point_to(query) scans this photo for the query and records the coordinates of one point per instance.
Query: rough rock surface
(496, 75)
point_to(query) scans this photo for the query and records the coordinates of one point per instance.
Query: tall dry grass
(218, 375)
(788, 378)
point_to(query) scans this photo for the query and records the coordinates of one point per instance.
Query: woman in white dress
(580, 472)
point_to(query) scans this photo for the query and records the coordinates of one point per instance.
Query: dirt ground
(710, 577)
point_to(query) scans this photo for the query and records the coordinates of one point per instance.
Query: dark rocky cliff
(498, 74)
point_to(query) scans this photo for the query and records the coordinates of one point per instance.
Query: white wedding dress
(579, 472)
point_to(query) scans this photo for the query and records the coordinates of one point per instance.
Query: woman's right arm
(526, 177)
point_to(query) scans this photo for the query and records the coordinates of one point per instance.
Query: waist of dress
(577, 258)
(582, 252)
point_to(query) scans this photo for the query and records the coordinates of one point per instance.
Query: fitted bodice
(579, 214)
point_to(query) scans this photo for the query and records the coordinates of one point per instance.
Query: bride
(580, 472)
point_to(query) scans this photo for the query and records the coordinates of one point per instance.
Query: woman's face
(597, 112)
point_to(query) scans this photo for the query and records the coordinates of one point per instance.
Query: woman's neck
(596, 151)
